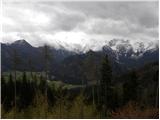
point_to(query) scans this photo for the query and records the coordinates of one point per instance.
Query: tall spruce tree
(31, 68)
(24, 90)
(47, 59)
(134, 85)
(106, 86)
(3, 88)
(130, 88)
(10, 92)
(156, 79)
(16, 61)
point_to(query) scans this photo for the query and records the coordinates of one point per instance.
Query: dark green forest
(32, 94)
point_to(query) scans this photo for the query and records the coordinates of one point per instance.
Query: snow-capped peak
(125, 46)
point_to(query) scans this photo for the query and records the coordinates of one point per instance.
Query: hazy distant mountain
(72, 66)
(87, 66)
(26, 52)
(119, 45)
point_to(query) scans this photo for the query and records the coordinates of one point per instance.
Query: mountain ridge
(65, 61)
(67, 65)
(119, 45)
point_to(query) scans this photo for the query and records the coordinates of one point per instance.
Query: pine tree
(61, 98)
(10, 77)
(30, 64)
(2, 79)
(16, 61)
(10, 92)
(81, 92)
(106, 86)
(130, 88)
(42, 84)
(24, 91)
(134, 85)
(24, 78)
(47, 58)
(3, 88)
(156, 79)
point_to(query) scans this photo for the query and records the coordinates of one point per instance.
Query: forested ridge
(32, 94)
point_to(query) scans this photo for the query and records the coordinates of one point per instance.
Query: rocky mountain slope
(73, 66)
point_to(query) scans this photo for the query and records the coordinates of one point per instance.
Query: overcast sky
(82, 23)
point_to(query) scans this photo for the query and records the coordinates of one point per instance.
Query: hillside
(67, 65)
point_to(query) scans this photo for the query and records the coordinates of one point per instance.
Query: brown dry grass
(132, 110)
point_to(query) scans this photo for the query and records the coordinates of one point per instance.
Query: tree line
(19, 92)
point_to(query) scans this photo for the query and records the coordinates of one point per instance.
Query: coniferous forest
(34, 94)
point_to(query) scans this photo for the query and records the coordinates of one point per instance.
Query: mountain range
(73, 66)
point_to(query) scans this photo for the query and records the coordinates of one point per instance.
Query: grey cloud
(60, 19)
(124, 19)
(133, 18)
(68, 22)
(144, 13)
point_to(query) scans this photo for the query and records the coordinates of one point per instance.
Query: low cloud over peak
(79, 22)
